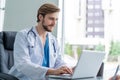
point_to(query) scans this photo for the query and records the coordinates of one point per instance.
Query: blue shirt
(46, 53)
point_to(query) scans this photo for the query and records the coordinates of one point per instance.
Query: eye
(51, 18)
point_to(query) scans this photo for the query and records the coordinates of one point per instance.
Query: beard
(46, 27)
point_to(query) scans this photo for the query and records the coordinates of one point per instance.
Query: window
(90, 22)
(90, 14)
(90, 6)
(97, 7)
(97, 21)
(2, 10)
(94, 26)
(90, 29)
(97, 29)
(97, 14)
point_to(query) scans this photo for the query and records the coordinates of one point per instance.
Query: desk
(97, 78)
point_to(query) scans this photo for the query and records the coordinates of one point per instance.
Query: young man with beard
(36, 50)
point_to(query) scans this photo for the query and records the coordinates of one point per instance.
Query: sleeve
(22, 59)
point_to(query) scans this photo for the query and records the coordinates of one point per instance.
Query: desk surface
(97, 78)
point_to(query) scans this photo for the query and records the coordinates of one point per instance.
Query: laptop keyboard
(66, 75)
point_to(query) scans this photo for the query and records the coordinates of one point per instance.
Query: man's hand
(61, 70)
(117, 78)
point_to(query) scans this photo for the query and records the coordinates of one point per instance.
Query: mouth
(51, 25)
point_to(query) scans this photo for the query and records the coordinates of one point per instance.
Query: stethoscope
(32, 42)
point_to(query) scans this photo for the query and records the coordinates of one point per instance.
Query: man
(36, 50)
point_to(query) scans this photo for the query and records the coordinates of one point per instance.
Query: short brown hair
(47, 9)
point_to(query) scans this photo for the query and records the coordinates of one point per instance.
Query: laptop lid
(88, 64)
(87, 67)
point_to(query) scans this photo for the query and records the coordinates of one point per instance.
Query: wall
(20, 14)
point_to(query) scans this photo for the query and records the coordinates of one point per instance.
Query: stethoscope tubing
(34, 34)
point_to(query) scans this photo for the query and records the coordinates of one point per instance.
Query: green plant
(115, 48)
(79, 50)
(100, 47)
(68, 49)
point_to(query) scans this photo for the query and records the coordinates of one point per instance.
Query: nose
(54, 22)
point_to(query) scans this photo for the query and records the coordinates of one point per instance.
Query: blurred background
(82, 24)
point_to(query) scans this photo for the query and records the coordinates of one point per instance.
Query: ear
(40, 17)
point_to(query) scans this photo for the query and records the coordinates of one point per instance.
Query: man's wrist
(50, 72)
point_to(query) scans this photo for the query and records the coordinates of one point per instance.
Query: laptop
(87, 66)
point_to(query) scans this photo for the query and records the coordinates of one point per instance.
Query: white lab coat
(28, 55)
